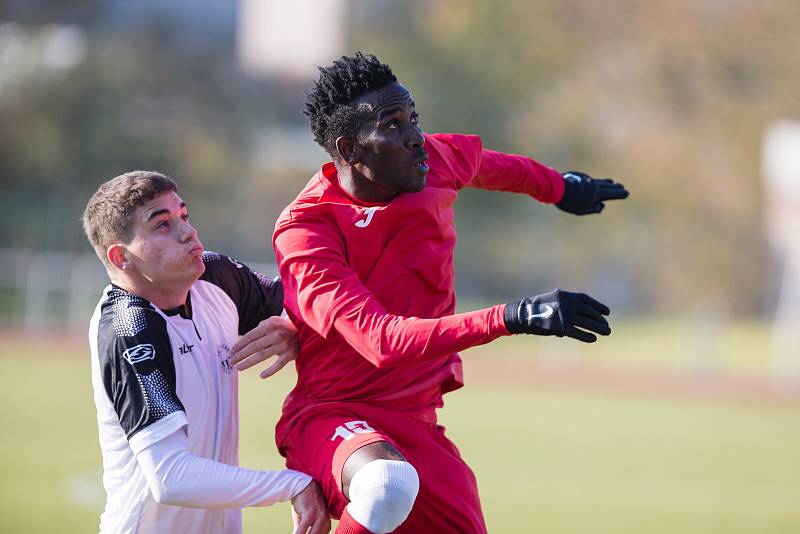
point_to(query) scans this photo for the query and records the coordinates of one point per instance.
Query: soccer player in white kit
(164, 387)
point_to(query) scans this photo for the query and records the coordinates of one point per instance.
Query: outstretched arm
(574, 192)
(471, 165)
(518, 174)
(177, 477)
(475, 166)
(326, 294)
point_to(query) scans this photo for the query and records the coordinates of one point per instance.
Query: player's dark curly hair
(328, 103)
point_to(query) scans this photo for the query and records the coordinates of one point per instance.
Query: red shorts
(323, 439)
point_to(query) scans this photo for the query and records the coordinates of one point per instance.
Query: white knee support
(382, 494)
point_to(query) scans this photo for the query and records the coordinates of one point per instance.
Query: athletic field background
(648, 431)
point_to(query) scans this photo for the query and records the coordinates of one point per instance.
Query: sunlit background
(684, 420)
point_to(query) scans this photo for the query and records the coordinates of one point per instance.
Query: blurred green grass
(554, 461)
(691, 344)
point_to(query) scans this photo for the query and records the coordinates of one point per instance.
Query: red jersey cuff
(497, 324)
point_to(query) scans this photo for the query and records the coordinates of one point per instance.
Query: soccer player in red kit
(366, 257)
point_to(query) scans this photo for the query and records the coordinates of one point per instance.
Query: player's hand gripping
(558, 313)
(309, 513)
(274, 336)
(584, 195)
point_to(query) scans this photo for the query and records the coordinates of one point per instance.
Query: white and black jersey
(156, 371)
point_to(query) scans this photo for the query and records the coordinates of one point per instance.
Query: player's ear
(346, 148)
(117, 255)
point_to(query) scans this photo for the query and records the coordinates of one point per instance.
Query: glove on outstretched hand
(558, 313)
(584, 194)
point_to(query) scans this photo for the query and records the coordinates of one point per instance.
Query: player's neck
(163, 296)
(362, 188)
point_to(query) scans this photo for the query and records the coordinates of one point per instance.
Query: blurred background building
(287, 39)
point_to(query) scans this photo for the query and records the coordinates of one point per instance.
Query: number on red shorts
(350, 429)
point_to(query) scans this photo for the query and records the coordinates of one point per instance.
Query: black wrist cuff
(572, 199)
(512, 319)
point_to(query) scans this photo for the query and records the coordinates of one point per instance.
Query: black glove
(584, 194)
(558, 313)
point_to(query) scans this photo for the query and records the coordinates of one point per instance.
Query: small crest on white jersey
(224, 354)
(140, 353)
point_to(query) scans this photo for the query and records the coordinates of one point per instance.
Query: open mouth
(422, 164)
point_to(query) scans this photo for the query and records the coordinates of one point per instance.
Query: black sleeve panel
(256, 296)
(136, 362)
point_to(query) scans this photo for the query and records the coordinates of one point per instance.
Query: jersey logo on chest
(223, 355)
(369, 213)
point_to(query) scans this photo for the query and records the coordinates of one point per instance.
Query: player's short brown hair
(108, 217)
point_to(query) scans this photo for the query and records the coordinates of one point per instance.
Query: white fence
(49, 289)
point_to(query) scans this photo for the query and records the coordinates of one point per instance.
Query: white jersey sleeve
(177, 477)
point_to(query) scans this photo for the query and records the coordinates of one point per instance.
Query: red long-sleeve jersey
(370, 285)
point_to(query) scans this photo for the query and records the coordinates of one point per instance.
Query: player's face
(165, 249)
(390, 141)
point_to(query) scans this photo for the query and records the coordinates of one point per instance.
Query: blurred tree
(671, 99)
(142, 98)
(642, 92)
